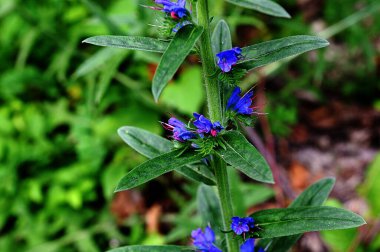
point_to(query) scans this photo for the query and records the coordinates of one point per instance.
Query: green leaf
(221, 41)
(129, 42)
(346, 237)
(209, 207)
(263, 6)
(141, 248)
(314, 195)
(175, 54)
(197, 172)
(144, 142)
(370, 190)
(155, 167)
(243, 156)
(152, 145)
(290, 221)
(221, 37)
(267, 52)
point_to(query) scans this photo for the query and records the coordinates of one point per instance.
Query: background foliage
(62, 102)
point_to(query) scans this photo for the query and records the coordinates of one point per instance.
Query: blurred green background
(62, 102)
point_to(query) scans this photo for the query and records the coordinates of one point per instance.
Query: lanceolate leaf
(155, 167)
(221, 41)
(264, 53)
(370, 190)
(209, 207)
(263, 6)
(144, 142)
(240, 154)
(140, 248)
(314, 195)
(151, 146)
(289, 221)
(197, 172)
(221, 37)
(175, 54)
(129, 42)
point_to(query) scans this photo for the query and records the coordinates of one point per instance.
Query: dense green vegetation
(62, 102)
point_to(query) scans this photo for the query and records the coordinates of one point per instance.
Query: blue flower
(180, 131)
(228, 58)
(248, 245)
(180, 25)
(205, 126)
(241, 105)
(204, 241)
(175, 10)
(242, 225)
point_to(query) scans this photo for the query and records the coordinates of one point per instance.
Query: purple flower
(204, 241)
(248, 245)
(175, 10)
(205, 126)
(228, 58)
(241, 105)
(180, 25)
(242, 225)
(180, 131)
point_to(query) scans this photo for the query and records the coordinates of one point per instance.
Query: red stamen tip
(173, 15)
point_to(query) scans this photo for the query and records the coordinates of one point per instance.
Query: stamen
(151, 7)
(167, 126)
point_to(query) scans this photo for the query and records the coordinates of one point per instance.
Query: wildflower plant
(206, 146)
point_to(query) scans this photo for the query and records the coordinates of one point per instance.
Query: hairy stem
(215, 113)
(209, 69)
(221, 175)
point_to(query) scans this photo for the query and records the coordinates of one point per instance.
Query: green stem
(208, 64)
(221, 176)
(215, 113)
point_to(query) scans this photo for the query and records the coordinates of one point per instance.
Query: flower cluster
(205, 241)
(179, 129)
(203, 127)
(228, 58)
(240, 104)
(177, 16)
(242, 225)
(174, 10)
(249, 246)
